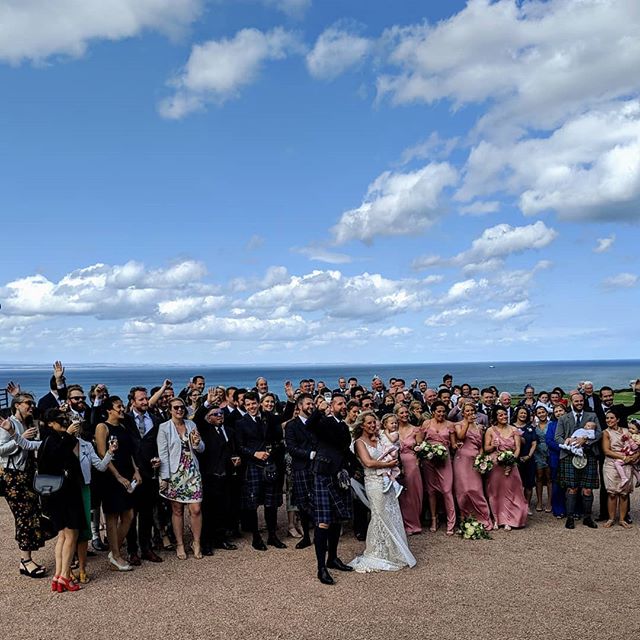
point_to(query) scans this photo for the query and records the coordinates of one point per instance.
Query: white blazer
(170, 448)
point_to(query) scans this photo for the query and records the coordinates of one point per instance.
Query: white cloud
(38, 29)
(433, 147)
(465, 289)
(321, 254)
(362, 296)
(336, 51)
(588, 169)
(479, 208)
(293, 8)
(218, 69)
(495, 244)
(104, 291)
(620, 281)
(536, 60)
(397, 204)
(254, 242)
(510, 310)
(604, 244)
(448, 317)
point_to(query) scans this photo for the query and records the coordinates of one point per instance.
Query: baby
(631, 444)
(391, 451)
(571, 444)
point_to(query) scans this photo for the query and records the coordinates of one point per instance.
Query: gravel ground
(542, 582)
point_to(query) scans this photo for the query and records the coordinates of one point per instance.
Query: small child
(571, 444)
(631, 444)
(390, 441)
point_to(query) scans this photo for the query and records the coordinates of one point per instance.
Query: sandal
(624, 525)
(180, 552)
(293, 533)
(38, 572)
(434, 525)
(608, 524)
(539, 509)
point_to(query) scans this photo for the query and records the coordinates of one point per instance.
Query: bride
(387, 548)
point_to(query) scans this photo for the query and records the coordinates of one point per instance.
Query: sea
(506, 376)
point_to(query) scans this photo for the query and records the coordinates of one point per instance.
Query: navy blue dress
(528, 468)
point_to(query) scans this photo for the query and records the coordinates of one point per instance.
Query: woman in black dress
(116, 483)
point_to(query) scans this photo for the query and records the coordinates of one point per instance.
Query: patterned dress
(185, 485)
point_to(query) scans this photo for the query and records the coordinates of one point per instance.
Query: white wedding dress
(387, 548)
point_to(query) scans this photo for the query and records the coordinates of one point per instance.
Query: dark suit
(49, 401)
(216, 468)
(146, 494)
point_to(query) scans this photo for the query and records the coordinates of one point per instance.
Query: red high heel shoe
(67, 585)
(54, 583)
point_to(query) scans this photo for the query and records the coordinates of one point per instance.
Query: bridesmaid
(504, 490)
(467, 482)
(440, 474)
(411, 498)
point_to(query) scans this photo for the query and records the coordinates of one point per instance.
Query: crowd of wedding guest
(102, 473)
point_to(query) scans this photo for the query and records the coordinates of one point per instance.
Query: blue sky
(282, 181)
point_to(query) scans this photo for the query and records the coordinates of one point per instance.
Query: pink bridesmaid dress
(505, 493)
(411, 498)
(467, 483)
(439, 477)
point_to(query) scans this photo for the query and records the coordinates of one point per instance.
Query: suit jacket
(215, 460)
(300, 443)
(567, 425)
(144, 448)
(334, 439)
(49, 401)
(622, 411)
(170, 448)
(256, 435)
(595, 400)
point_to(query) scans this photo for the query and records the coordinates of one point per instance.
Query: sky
(294, 181)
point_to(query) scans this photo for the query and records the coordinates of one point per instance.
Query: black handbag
(46, 484)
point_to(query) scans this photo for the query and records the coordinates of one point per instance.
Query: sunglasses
(78, 398)
(217, 414)
(177, 407)
(30, 403)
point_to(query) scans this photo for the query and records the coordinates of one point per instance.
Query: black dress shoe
(588, 522)
(628, 519)
(207, 551)
(151, 556)
(325, 577)
(227, 546)
(336, 563)
(569, 524)
(258, 544)
(361, 536)
(304, 543)
(274, 541)
(134, 560)
(236, 534)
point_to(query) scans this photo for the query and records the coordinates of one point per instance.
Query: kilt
(256, 490)
(302, 490)
(331, 504)
(587, 478)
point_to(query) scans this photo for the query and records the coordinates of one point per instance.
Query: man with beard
(261, 447)
(332, 490)
(301, 446)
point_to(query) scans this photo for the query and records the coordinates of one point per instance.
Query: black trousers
(216, 500)
(145, 498)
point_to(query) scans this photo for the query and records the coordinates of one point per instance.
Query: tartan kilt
(256, 490)
(587, 478)
(331, 504)
(302, 490)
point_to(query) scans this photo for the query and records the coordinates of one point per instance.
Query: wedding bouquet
(436, 453)
(483, 463)
(507, 459)
(471, 529)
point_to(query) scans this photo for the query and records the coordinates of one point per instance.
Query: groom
(332, 502)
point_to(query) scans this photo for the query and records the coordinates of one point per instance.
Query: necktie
(141, 427)
(578, 418)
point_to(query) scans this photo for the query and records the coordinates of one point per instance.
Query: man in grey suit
(585, 475)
